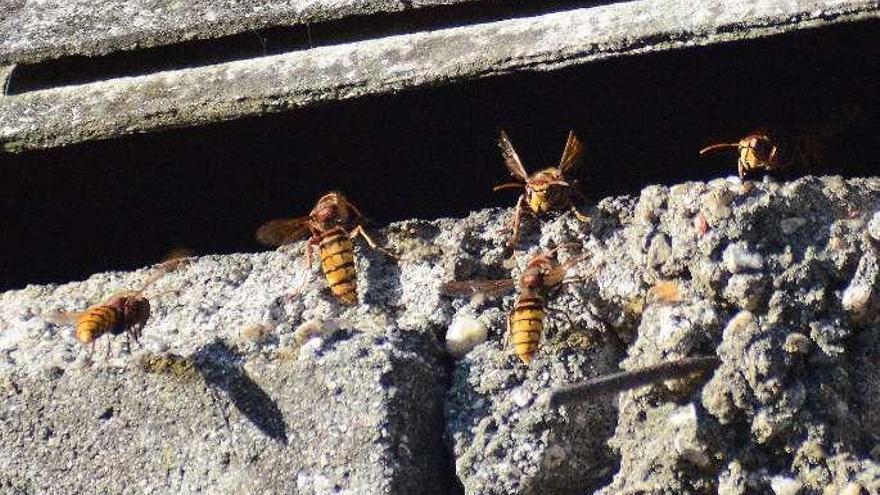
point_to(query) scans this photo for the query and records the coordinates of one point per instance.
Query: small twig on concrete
(626, 380)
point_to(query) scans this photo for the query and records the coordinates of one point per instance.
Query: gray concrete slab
(779, 280)
(35, 31)
(105, 109)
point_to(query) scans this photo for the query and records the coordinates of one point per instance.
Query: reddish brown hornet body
(549, 189)
(525, 323)
(776, 153)
(327, 223)
(123, 313)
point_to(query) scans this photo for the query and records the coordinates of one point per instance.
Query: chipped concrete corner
(285, 82)
(241, 386)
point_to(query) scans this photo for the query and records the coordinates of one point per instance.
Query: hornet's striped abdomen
(337, 263)
(527, 323)
(97, 321)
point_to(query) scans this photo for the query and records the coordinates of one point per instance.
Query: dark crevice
(121, 204)
(73, 70)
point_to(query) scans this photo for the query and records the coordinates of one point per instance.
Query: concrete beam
(181, 98)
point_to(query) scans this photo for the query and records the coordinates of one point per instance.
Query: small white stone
(465, 333)
(791, 224)
(522, 397)
(685, 416)
(309, 348)
(783, 485)
(874, 226)
(855, 298)
(738, 259)
(659, 251)
(313, 328)
(852, 489)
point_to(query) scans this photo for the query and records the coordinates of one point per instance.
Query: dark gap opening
(271, 41)
(122, 204)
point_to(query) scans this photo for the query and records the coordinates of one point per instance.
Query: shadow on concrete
(220, 367)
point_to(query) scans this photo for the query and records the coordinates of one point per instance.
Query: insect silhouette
(525, 322)
(550, 189)
(327, 223)
(124, 312)
(757, 152)
(765, 152)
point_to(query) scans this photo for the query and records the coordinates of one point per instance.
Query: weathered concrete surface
(100, 110)
(782, 284)
(330, 419)
(32, 31)
(359, 410)
(765, 287)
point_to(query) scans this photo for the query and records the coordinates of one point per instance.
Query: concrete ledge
(779, 280)
(102, 110)
(36, 31)
(354, 413)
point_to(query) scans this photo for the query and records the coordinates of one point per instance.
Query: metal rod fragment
(626, 380)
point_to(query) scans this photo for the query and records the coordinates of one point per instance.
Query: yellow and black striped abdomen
(337, 263)
(96, 321)
(526, 326)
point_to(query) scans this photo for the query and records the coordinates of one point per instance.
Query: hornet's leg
(772, 157)
(313, 241)
(359, 230)
(517, 219)
(505, 341)
(297, 291)
(583, 199)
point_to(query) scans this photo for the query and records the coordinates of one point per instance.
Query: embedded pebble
(797, 343)
(256, 333)
(314, 328)
(783, 485)
(857, 294)
(465, 333)
(700, 224)
(874, 226)
(852, 489)
(522, 397)
(717, 203)
(659, 250)
(737, 258)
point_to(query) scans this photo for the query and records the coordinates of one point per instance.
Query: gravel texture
(236, 89)
(252, 377)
